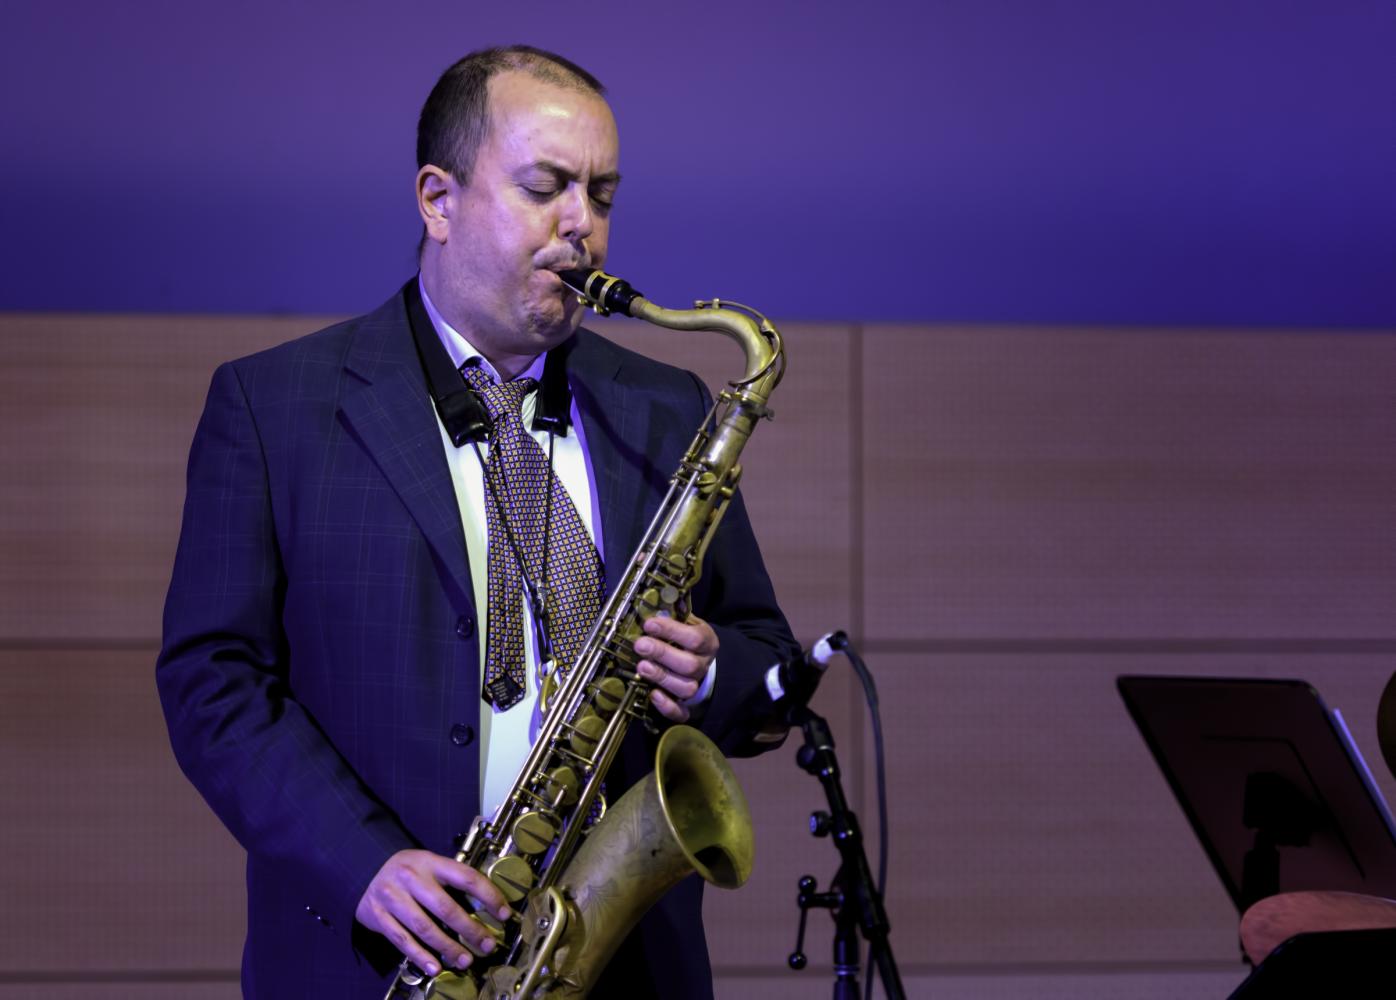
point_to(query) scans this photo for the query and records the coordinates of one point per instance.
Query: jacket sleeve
(247, 745)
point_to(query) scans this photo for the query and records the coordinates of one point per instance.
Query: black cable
(870, 693)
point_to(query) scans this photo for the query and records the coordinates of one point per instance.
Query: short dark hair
(455, 118)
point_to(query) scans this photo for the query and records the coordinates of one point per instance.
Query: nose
(576, 221)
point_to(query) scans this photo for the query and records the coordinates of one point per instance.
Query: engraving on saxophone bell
(585, 873)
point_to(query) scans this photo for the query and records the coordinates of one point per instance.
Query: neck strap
(462, 412)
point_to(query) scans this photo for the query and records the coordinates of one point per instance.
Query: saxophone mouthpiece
(604, 293)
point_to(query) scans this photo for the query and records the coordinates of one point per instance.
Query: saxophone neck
(755, 334)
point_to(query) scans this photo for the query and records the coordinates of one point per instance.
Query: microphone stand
(853, 896)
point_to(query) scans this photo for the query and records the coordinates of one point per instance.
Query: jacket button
(462, 735)
(465, 626)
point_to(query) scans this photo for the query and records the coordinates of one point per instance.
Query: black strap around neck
(462, 412)
(553, 412)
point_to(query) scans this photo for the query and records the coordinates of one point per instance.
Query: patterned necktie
(530, 516)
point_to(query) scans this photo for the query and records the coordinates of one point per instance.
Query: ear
(434, 201)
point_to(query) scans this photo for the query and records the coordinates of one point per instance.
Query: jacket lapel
(386, 405)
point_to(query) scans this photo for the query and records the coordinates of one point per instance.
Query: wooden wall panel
(93, 455)
(82, 742)
(1029, 822)
(1007, 518)
(798, 476)
(754, 927)
(110, 860)
(226, 988)
(1031, 483)
(986, 984)
(96, 416)
(94, 461)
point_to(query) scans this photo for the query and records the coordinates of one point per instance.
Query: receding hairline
(560, 81)
(544, 71)
(542, 67)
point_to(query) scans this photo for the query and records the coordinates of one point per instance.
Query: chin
(548, 328)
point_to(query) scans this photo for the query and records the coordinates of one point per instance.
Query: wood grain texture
(94, 449)
(755, 925)
(110, 860)
(1009, 487)
(1029, 984)
(96, 416)
(122, 989)
(798, 468)
(1128, 483)
(1029, 821)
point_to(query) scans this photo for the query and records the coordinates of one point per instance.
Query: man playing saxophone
(364, 609)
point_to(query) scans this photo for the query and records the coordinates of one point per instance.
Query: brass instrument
(585, 886)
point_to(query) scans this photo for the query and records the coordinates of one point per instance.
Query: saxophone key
(534, 832)
(511, 875)
(562, 785)
(492, 925)
(451, 986)
(647, 605)
(622, 654)
(587, 732)
(608, 694)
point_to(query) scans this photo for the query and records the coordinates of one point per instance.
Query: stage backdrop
(1005, 518)
(1092, 340)
(1084, 161)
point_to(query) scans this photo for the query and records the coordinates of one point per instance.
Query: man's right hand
(405, 894)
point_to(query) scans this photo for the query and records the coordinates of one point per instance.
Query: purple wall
(1087, 161)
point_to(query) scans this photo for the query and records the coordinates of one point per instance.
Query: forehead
(532, 119)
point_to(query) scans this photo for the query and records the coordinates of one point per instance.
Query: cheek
(599, 241)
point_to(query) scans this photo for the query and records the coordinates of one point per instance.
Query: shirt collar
(462, 350)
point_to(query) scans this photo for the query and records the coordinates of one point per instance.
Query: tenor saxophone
(582, 882)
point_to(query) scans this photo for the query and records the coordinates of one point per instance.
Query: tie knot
(502, 399)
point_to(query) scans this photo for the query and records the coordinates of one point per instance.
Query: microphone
(791, 683)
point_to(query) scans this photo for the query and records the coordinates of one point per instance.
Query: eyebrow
(556, 169)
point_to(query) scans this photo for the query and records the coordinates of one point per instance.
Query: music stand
(1271, 782)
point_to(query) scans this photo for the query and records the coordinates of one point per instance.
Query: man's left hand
(677, 655)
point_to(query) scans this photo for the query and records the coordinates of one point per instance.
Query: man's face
(538, 201)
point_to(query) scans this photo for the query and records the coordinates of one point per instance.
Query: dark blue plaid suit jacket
(320, 668)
